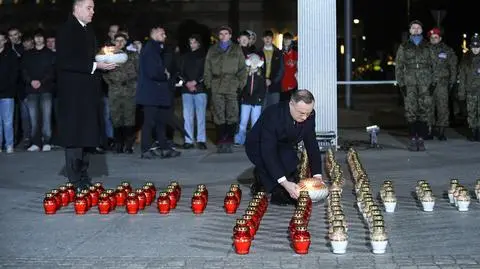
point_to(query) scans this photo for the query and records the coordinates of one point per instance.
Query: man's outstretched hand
(292, 188)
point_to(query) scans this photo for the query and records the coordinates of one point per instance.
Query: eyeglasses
(300, 113)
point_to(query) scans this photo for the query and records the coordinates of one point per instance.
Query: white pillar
(317, 62)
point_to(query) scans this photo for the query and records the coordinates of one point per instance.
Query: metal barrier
(348, 90)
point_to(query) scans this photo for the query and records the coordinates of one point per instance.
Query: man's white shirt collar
(81, 23)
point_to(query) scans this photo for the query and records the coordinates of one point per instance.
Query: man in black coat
(270, 146)
(155, 95)
(79, 92)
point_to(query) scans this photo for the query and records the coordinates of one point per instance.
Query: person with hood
(414, 68)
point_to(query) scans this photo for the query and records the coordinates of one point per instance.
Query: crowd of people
(238, 79)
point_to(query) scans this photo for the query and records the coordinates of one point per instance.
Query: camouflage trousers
(122, 110)
(225, 108)
(473, 111)
(439, 112)
(417, 104)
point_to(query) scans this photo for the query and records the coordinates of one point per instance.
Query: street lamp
(356, 21)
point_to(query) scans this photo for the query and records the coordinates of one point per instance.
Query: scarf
(416, 39)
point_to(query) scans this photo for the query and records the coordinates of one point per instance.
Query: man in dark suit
(270, 146)
(79, 92)
(155, 95)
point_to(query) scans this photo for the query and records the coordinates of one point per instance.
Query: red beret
(434, 31)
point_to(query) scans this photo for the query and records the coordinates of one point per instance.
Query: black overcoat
(270, 144)
(79, 91)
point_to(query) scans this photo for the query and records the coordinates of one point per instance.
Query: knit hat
(434, 31)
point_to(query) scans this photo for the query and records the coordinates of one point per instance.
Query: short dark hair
(4, 34)
(197, 37)
(268, 33)
(244, 33)
(39, 32)
(225, 28)
(302, 95)
(120, 35)
(288, 35)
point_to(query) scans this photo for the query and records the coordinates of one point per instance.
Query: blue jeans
(194, 105)
(37, 102)
(247, 112)
(25, 117)
(7, 108)
(106, 117)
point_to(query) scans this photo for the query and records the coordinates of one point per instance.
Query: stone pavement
(444, 238)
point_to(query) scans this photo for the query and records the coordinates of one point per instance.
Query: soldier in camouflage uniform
(225, 73)
(445, 75)
(122, 87)
(469, 86)
(413, 70)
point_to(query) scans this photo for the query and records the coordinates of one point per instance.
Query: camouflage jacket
(445, 64)
(225, 72)
(414, 65)
(123, 79)
(469, 76)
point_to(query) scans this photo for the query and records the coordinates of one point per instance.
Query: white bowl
(339, 247)
(117, 58)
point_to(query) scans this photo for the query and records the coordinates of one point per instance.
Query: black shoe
(169, 153)
(119, 148)
(27, 143)
(188, 146)
(129, 151)
(228, 148)
(99, 150)
(441, 134)
(420, 145)
(281, 197)
(149, 154)
(412, 145)
(221, 148)
(202, 145)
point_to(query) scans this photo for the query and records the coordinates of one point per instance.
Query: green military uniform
(444, 75)
(413, 70)
(469, 90)
(121, 89)
(225, 73)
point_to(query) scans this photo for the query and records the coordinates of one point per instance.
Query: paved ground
(444, 238)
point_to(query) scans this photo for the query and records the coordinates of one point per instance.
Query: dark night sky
(385, 20)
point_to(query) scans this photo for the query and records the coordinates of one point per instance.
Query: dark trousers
(77, 161)
(264, 182)
(155, 117)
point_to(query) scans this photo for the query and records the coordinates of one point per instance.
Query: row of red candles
(298, 228)
(108, 199)
(247, 226)
(133, 200)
